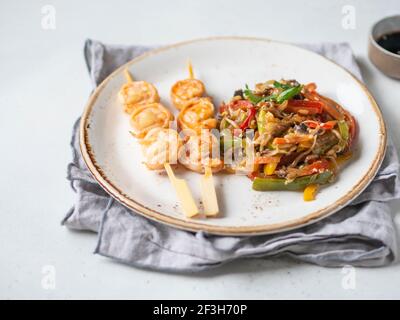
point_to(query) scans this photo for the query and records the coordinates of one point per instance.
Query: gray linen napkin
(362, 234)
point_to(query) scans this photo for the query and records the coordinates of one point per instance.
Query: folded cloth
(361, 234)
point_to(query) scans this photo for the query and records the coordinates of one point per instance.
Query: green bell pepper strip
(344, 129)
(281, 85)
(288, 94)
(275, 184)
(254, 99)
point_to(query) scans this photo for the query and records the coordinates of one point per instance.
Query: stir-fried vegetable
(267, 159)
(261, 121)
(288, 94)
(305, 107)
(315, 167)
(310, 192)
(246, 122)
(281, 85)
(298, 134)
(251, 96)
(269, 168)
(298, 184)
(344, 130)
(329, 125)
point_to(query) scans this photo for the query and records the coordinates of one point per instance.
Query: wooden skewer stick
(183, 192)
(128, 75)
(190, 69)
(208, 193)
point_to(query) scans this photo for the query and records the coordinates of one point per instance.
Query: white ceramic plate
(225, 64)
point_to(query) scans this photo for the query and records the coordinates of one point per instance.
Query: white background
(44, 86)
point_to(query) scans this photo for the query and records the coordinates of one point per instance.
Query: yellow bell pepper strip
(270, 163)
(310, 192)
(298, 184)
(270, 168)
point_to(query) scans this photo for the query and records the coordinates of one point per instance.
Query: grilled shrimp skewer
(197, 115)
(198, 152)
(150, 122)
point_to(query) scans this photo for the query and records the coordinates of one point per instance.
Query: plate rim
(195, 225)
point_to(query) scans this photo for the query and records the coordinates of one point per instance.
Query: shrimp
(184, 92)
(149, 116)
(160, 146)
(199, 151)
(199, 115)
(137, 93)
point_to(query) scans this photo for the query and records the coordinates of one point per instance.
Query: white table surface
(44, 86)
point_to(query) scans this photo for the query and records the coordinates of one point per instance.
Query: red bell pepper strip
(252, 113)
(298, 184)
(329, 125)
(315, 167)
(304, 106)
(328, 105)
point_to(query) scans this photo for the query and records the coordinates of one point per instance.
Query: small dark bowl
(386, 61)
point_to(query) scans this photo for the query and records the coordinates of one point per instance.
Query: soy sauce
(390, 42)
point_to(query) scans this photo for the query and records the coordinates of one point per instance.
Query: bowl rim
(195, 225)
(375, 43)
